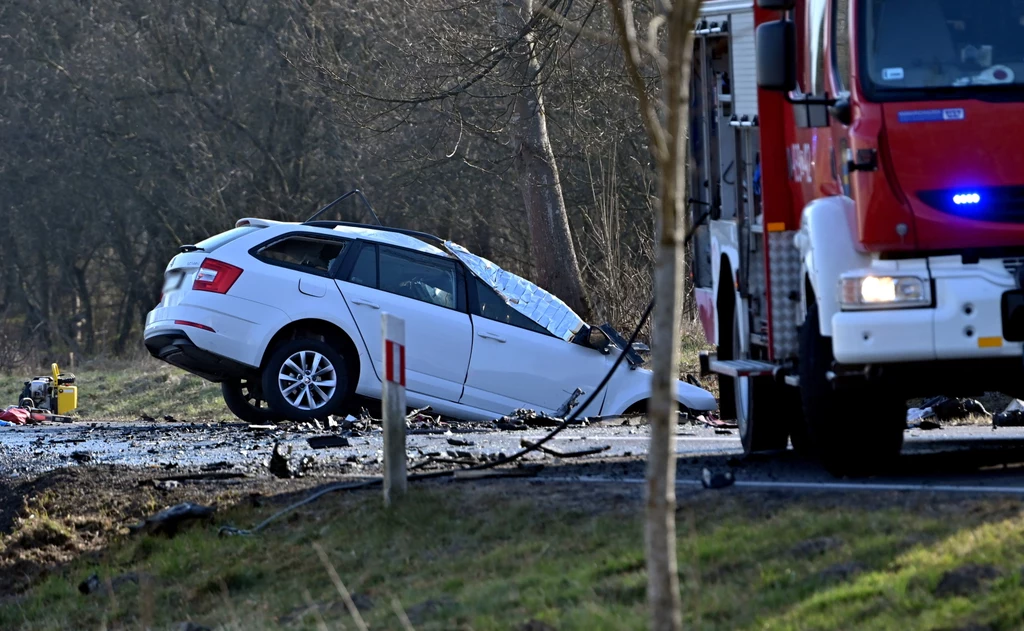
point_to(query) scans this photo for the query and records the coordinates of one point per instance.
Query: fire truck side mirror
(776, 56)
(776, 5)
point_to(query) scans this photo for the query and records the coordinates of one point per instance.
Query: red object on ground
(18, 416)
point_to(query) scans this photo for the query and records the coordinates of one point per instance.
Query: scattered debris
(325, 442)
(717, 480)
(523, 419)
(458, 442)
(957, 409)
(726, 432)
(262, 427)
(279, 462)
(1012, 416)
(166, 485)
(170, 520)
(89, 585)
(94, 584)
(710, 421)
(573, 400)
(946, 409)
(81, 456)
(565, 454)
(965, 580)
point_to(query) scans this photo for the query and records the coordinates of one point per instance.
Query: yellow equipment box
(67, 399)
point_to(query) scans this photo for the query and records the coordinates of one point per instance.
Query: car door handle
(492, 336)
(365, 303)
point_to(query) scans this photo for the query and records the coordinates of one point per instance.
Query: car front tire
(305, 379)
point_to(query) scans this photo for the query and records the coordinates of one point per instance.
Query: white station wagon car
(287, 317)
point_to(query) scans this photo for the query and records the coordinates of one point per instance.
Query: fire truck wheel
(853, 432)
(757, 401)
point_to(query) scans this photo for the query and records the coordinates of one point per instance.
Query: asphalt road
(970, 459)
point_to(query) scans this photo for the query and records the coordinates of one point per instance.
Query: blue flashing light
(964, 199)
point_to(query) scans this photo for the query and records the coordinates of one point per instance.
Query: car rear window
(303, 253)
(224, 238)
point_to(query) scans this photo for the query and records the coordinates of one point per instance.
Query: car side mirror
(776, 56)
(598, 341)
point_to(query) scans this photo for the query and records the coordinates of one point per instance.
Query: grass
(125, 390)
(492, 557)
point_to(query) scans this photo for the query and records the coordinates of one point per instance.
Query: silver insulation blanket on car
(528, 299)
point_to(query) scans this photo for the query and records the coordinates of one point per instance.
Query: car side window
(429, 279)
(491, 306)
(303, 253)
(364, 272)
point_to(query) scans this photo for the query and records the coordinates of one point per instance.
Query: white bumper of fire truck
(960, 315)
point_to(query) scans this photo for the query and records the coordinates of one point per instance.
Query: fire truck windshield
(944, 45)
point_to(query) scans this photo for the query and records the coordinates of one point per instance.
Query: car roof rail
(422, 236)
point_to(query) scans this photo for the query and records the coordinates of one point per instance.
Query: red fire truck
(857, 171)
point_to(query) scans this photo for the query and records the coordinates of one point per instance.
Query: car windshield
(928, 44)
(528, 299)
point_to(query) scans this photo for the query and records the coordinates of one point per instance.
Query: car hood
(541, 306)
(688, 395)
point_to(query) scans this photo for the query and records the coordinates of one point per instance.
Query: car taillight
(216, 276)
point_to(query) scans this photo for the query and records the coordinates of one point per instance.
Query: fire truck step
(736, 367)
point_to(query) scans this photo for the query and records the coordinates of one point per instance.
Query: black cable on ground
(572, 416)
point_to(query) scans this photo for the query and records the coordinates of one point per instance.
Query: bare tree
(557, 267)
(670, 46)
(480, 69)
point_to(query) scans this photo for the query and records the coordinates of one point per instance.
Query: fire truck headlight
(883, 292)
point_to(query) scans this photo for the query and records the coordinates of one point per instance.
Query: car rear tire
(244, 397)
(306, 379)
(853, 432)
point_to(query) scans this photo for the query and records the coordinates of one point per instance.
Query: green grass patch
(125, 390)
(494, 557)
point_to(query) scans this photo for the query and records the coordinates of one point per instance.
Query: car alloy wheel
(307, 380)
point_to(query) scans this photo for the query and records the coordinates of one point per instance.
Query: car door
(516, 363)
(428, 292)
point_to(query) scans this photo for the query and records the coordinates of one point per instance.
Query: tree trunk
(558, 270)
(667, 136)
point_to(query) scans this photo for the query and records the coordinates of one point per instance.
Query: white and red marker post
(393, 399)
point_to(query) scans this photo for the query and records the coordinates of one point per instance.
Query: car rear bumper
(965, 322)
(174, 347)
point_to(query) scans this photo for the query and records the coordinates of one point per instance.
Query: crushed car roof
(542, 307)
